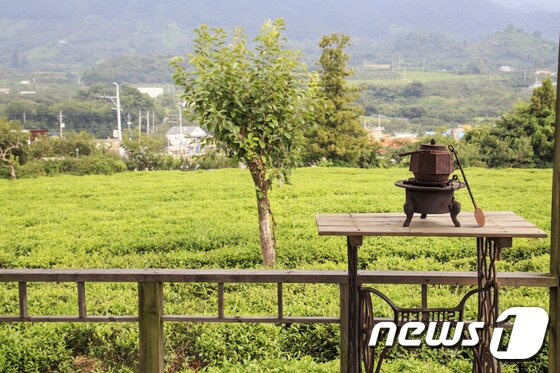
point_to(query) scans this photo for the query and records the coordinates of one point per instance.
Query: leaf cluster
(523, 136)
(255, 102)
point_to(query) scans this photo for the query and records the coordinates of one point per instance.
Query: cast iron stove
(431, 191)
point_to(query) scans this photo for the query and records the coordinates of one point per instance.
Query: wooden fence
(151, 311)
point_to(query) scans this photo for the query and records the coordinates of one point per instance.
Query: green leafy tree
(12, 141)
(338, 136)
(523, 136)
(72, 144)
(144, 153)
(254, 101)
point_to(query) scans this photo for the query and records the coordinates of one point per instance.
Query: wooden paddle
(478, 213)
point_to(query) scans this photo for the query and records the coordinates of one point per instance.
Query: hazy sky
(528, 5)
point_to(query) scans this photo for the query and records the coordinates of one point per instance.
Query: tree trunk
(265, 230)
(266, 222)
(12, 170)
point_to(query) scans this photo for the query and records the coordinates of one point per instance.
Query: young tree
(12, 140)
(255, 103)
(338, 136)
(144, 153)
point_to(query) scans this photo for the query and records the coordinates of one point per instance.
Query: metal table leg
(488, 250)
(353, 244)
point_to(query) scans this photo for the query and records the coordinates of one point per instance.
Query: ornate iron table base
(488, 251)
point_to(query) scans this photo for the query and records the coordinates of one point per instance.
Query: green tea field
(208, 219)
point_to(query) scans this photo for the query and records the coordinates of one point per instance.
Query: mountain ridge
(74, 34)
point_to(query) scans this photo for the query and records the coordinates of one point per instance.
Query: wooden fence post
(150, 326)
(554, 307)
(344, 304)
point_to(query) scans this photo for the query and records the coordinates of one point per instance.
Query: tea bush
(207, 219)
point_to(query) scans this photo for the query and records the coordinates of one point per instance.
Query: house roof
(187, 130)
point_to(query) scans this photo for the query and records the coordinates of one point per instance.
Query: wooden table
(501, 227)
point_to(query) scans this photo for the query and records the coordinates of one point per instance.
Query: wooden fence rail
(151, 315)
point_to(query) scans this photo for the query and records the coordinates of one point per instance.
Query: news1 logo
(526, 339)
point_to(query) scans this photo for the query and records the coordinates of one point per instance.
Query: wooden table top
(498, 224)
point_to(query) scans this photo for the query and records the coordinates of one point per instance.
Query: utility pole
(118, 103)
(60, 123)
(128, 123)
(24, 119)
(148, 121)
(139, 123)
(525, 77)
(180, 130)
(153, 122)
(116, 100)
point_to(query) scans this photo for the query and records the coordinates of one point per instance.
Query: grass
(207, 219)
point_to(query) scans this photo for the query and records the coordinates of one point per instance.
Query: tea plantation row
(207, 219)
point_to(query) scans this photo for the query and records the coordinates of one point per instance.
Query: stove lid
(433, 146)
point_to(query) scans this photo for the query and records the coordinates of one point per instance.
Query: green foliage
(514, 47)
(144, 153)
(521, 137)
(13, 142)
(74, 153)
(253, 101)
(213, 159)
(72, 144)
(337, 135)
(414, 89)
(83, 109)
(89, 31)
(97, 164)
(131, 69)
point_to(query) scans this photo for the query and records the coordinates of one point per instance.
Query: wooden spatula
(478, 213)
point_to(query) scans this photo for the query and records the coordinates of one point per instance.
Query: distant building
(404, 135)
(36, 133)
(27, 92)
(506, 69)
(543, 72)
(535, 85)
(459, 132)
(153, 92)
(185, 140)
(25, 82)
(5, 91)
(376, 133)
(399, 140)
(377, 66)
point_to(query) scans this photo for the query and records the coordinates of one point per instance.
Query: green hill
(75, 33)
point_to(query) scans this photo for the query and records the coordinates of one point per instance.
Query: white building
(153, 92)
(506, 69)
(185, 140)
